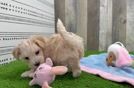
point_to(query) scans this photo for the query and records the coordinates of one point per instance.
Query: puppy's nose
(37, 64)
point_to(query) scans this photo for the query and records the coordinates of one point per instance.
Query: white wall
(21, 18)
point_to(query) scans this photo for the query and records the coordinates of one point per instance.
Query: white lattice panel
(21, 18)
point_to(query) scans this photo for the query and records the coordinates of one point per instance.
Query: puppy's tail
(62, 31)
(119, 43)
(60, 27)
(69, 37)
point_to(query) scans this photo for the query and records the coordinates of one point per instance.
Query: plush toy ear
(59, 70)
(49, 61)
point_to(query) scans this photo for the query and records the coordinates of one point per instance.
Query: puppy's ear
(16, 52)
(40, 41)
(40, 44)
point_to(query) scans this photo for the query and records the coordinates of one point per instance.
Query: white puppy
(64, 48)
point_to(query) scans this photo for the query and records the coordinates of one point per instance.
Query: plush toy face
(43, 74)
(43, 68)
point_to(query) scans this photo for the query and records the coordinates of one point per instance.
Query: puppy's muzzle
(37, 64)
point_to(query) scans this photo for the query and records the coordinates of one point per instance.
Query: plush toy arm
(59, 70)
(45, 85)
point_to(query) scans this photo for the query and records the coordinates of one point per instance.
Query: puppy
(32, 52)
(112, 53)
(118, 56)
(64, 48)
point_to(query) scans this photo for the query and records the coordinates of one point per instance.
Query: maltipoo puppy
(64, 48)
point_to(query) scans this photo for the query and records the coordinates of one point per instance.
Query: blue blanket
(98, 62)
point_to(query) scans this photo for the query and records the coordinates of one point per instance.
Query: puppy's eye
(27, 58)
(37, 52)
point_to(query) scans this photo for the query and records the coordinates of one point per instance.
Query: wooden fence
(99, 22)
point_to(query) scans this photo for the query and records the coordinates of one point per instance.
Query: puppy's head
(31, 50)
(111, 59)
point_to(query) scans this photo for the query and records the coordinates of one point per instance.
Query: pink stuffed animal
(45, 74)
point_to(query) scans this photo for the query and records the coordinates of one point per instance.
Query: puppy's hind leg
(75, 67)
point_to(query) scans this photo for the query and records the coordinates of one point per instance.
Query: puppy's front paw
(25, 74)
(30, 83)
(76, 73)
(31, 75)
(28, 74)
